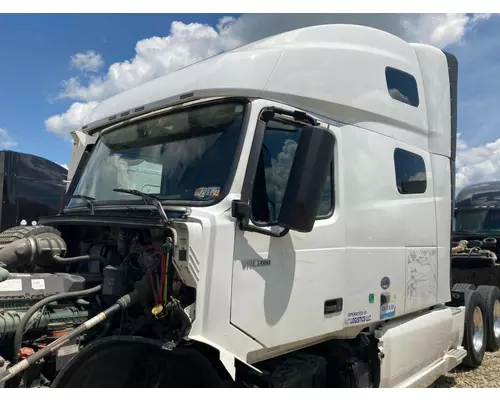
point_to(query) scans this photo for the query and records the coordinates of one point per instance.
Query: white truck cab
(318, 169)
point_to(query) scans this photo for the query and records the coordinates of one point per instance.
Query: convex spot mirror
(304, 190)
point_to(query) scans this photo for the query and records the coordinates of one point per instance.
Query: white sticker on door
(387, 311)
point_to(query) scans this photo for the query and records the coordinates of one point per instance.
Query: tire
(474, 307)
(491, 298)
(463, 287)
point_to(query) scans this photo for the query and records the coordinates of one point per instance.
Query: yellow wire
(166, 280)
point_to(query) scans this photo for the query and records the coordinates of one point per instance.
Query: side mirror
(304, 190)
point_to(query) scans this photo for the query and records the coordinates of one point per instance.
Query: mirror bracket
(242, 211)
(299, 116)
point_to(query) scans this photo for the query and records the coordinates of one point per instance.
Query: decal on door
(385, 283)
(358, 317)
(255, 263)
(387, 311)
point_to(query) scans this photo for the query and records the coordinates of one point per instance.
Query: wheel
(462, 287)
(474, 330)
(491, 298)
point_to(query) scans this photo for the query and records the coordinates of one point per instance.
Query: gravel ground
(486, 376)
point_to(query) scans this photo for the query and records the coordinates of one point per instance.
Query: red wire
(154, 289)
(163, 272)
(151, 246)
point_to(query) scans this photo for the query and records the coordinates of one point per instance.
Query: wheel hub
(478, 329)
(496, 319)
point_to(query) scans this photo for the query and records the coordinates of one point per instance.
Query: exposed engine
(60, 290)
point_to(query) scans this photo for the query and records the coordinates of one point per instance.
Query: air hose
(72, 260)
(18, 338)
(124, 302)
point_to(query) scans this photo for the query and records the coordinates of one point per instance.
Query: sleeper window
(402, 86)
(411, 177)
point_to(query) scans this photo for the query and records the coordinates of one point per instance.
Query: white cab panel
(434, 70)
(422, 343)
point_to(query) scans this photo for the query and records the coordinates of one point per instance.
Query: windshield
(477, 221)
(183, 156)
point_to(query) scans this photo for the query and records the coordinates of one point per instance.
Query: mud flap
(226, 358)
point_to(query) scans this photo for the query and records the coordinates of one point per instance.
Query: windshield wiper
(147, 197)
(156, 202)
(89, 201)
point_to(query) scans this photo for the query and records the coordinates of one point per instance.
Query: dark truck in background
(476, 249)
(31, 187)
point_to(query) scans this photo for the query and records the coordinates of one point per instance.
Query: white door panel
(283, 302)
(365, 282)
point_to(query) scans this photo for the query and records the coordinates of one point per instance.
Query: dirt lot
(486, 376)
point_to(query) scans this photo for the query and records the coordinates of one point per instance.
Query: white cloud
(441, 29)
(6, 142)
(277, 175)
(72, 119)
(435, 29)
(188, 43)
(64, 165)
(419, 176)
(477, 164)
(155, 56)
(480, 17)
(396, 94)
(87, 61)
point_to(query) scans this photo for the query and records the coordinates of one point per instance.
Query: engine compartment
(79, 271)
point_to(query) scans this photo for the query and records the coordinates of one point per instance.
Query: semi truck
(30, 187)
(476, 248)
(279, 215)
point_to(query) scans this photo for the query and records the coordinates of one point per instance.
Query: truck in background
(476, 250)
(297, 230)
(30, 187)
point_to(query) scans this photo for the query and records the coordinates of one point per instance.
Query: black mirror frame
(241, 209)
(310, 168)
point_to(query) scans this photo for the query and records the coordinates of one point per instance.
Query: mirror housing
(311, 165)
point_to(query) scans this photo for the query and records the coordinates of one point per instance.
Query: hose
(123, 302)
(72, 260)
(18, 338)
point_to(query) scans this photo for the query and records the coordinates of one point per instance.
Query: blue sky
(38, 81)
(36, 58)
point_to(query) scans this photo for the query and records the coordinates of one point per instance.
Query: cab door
(287, 289)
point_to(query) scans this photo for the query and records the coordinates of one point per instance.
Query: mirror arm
(241, 211)
(244, 225)
(296, 115)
